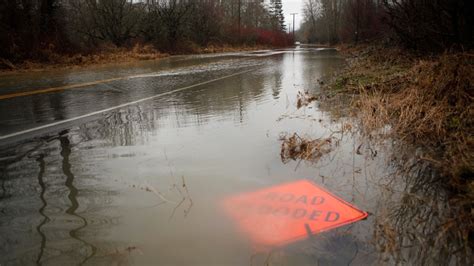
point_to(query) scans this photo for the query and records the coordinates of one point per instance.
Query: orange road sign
(289, 212)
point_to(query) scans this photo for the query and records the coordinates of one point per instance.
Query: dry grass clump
(111, 54)
(370, 68)
(425, 101)
(433, 108)
(304, 99)
(437, 104)
(295, 148)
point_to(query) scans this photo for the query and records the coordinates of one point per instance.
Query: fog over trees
(28, 27)
(417, 24)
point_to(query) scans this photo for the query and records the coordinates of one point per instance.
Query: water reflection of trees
(46, 219)
(73, 197)
(337, 247)
(40, 182)
(134, 125)
(42, 201)
(220, 101)
(423, 222)
(325, 63)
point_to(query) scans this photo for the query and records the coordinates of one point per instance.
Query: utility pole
(294, 14)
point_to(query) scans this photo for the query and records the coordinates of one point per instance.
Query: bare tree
(108, 20)
(28, 27)
(436, 24)
(312, 11)
(172, 14)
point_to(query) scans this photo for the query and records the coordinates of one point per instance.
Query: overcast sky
(293, 6)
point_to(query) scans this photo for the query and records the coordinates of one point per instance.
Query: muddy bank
(49, 59)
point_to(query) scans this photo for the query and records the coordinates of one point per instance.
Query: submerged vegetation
(419, 110)
(423, 106)
(408, 87)
(295, 147)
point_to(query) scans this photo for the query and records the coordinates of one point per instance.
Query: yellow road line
(61, 122)
(61, 88)
(74, 86)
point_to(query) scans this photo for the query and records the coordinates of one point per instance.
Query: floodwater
(127, 181)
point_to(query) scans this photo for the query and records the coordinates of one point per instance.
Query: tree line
(28, 27)
(417, 24)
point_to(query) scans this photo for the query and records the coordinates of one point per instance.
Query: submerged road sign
(285, 213)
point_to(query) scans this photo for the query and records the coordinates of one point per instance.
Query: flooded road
(130, 167)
